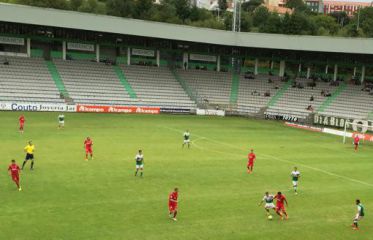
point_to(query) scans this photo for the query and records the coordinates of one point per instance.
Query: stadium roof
(102, 23)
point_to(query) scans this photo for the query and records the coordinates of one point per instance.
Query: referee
(29, 149)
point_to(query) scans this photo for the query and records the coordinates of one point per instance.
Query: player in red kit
(250, 164)
(280, 207)
(172, 203)
(356, 142)
(14, 171)
(21, 123)
(88, 148)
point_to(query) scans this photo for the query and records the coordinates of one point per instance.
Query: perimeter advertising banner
(34, 107)
(340, 122)
(210, 112)
(117, 109)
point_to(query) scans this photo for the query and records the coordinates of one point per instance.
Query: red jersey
(22, 119)
(172, 198)
(251, 157)
(88, 143)
(14, 169)
(356, 140)
(280, 199)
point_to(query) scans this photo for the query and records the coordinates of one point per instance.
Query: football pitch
(68, 198)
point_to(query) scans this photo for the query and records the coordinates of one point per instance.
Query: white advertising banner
(210, 112)
(143, 52)
(12, 40)
(203, 58)
(81, 46)
(34, 107)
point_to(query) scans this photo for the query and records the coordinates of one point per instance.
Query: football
(270, 217)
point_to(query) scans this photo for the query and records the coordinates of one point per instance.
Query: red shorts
(280, 207)
(172, 207)
(88, 150)
(15, 178)
(21, 125)
(250, 164)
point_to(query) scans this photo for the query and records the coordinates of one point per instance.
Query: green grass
(68, 198)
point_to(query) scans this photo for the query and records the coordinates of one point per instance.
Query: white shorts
(295, 183)
(358, 217)
(269, 206)
(61, 122)
(139, 166)
(187, 141)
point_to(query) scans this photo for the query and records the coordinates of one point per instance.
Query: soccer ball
(270, 217)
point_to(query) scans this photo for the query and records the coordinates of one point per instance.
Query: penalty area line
(277, 159)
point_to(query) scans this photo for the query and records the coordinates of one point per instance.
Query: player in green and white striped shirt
(186, 138)
(295, 175)
(61, 121)
(268, 199)
(359, 215)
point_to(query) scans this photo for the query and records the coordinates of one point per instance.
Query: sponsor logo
(284, 117)
(118, 109)
(175, 110)
(357, 124)
(210, 112)
(37, 107)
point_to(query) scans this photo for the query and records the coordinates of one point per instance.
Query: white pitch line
(281, 160)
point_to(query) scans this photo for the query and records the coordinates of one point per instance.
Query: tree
(58, 4)
(365, 20)
(298, 5)
(298, 23)
(222, 5)
(183, 8)
(120, 8)
(326, 25)
(92, 6)
(143, 9)
(75, 4)
(250, 6)
(165, 12)
(200, 14)
(272, 25)
(341, 18)
(209, 23)
(260, 16)
(246, 22)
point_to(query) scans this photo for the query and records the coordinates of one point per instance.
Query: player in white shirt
(295, 175)
(268, 199)
(61, 121)
(139, 163)
(186, 138)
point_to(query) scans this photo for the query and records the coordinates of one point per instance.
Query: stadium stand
(212, 87)
(157, 86)
(352, 103)
(251, 94)
(27, 80)
(296, 100)
(92, 83)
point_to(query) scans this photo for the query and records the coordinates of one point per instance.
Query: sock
(32, 164)
(355, 223)
(23, 164)
(141, 174)
(136, 172)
